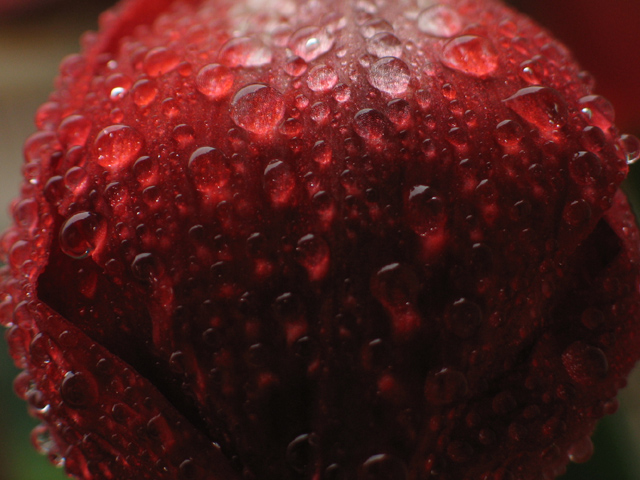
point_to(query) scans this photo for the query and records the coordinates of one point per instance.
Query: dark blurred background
(36, 35)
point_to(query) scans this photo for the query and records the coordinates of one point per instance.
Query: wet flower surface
(321, 240)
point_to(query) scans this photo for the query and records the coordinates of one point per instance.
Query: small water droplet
(472, 55)
(77, 390)
(375, 26)
(214, 81)
(313, 254)
(81, 234)
(144, 93)
(598, 110)
(384, 44)
(322, 78)
(577, 213)
(630, 147)
(301, 452)
(440, 21)
(257, 108)
(74, 131)
(384, 467)
(581, 451)
(390, 75)
(585, 167)
(322, 152)
(370, 124)
(311, 42)
(159, 61)
(295, 66)
(117, 146)
(209, 169)
(319, 112)
(542, 107)
(463, 318)
(585, 364)
(279, 183)
(445, 387)
(425, 210)
(245, 52)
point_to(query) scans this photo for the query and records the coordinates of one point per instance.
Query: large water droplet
(81, 234)
(322, 78)
(425, 210)
(245, 52)
(472, 55)
(542, 107)
(301, 452)
(117, 146)
(598, 110)
(214, 81)
(74, 131)
(581, 451)
(311, 42)
(585, 167)
(257, 108)
(77, 390)
(390, 75)
(440, 21)
(160, 61)
(313, 254)
(630, 147)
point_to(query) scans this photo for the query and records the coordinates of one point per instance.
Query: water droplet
(440, 21)
(598, 110)
(399, 112)
(342, 93)
(257, 108)
(370, 124)
(384, 467)
(445, 387)
(425, 210)
(209, 169)
(471, 54)
(630, 147)
(585, 364)
(279, 182)
(160, 61)
(322, 78)
(117, 146)
(384, 44)
(581, 451)
(463, 318)
(81, 234)
(77, 390)
(390, 75)
(144, 93)
(311, 42)
(295, 66)
(313, 254)
(214, 81)
(585, 167)
(375, 26)
(322, 152)
(245, 52)
(510, 133)
(301, 452)
(542, 107)
(74, 131)
(146, 267)
(592, 318)
(577, 213)
(319, 112)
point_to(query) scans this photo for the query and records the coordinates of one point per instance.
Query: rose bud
(328, 240)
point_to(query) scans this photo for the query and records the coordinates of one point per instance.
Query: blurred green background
(31, 47)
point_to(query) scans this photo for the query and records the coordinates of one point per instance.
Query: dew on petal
(322, 78)
(542, 107)
(470, 54)
(440, 21)
(160, 61)
(245, 52)
(117, 146)
(384, 44)
(81, 234)
(630, 147)
(390, 75)
(257, 108)
(311, 42)
(214, 81)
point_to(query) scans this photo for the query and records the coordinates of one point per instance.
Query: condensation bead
(463, 318)
(581, 451)
(209, 170)
(78, 390)
(81, 234)
(311, 42)
(301, 451)
(598, 110)
(74, 131)
(542, 107)
(390, 75)
(384, 467)
(630, 147)
(314, 255)
(245, 52)
(384, 45)
(322, 78)
(470, 54)
(257, 108)
(279, 183)
(585, 167)
(370, 124)
(144, 92)
(160, 61)
(585, 364)
(214, 81)
(117, 146)
(440, 21)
